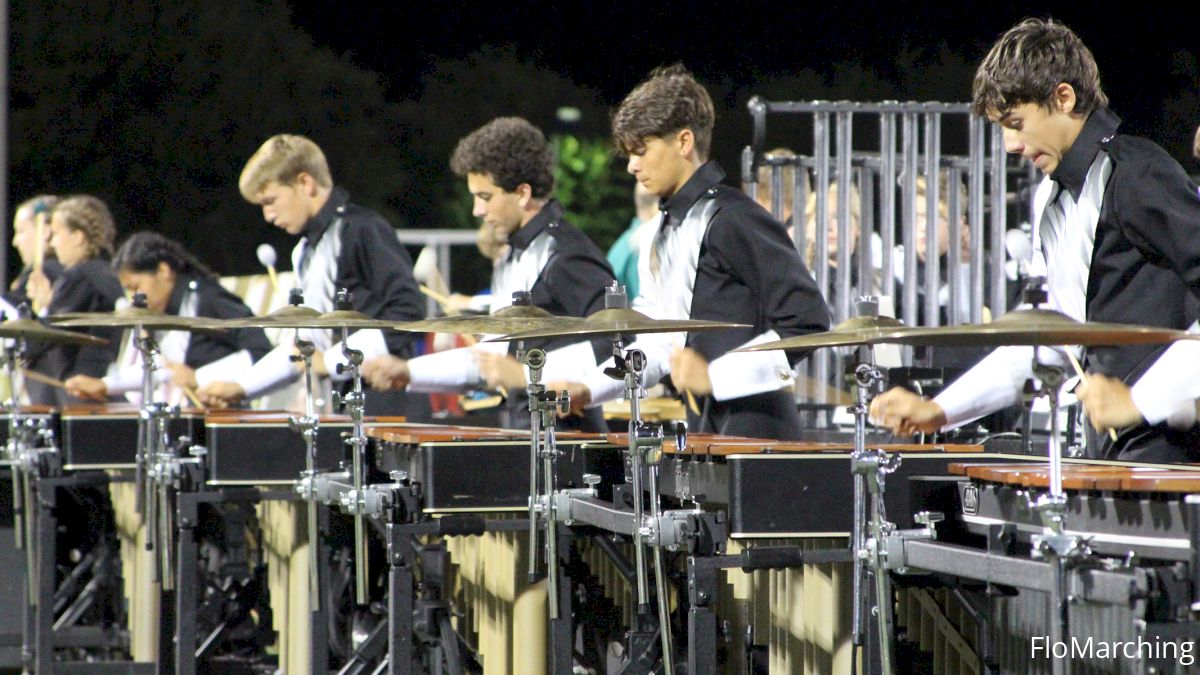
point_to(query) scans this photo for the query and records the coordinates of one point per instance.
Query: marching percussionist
(1120, 222)
(176, 283)
(81, 234)
(342, 245)
(509, 168)
(31, 239)
(715, 255)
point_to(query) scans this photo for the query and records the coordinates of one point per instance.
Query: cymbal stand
(355, 401)
(535, 389)
(153, 454)
(632, 364)
(307, 426)
(874, 467)
(1062, 550)
(22, 461)
(866, 375)
(544, 407)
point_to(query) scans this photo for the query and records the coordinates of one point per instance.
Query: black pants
(1156, 444)
(771, 415)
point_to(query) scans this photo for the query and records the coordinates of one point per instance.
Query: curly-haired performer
(509, 168)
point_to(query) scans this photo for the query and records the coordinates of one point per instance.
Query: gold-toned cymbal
(504, 321)
(299, 316)
(1038, 327)
(35, 331)
(1022, 327)
(619, 321)
(137, 317)
(860, 330)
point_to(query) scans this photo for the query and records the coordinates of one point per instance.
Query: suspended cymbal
(34, 331)
(1029, 327)
(504, 321)
(299, 316)
(1038, 327)
(861, 330)
(619, 322)
(135, 317)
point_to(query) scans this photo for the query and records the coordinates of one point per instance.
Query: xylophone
(1131, 580)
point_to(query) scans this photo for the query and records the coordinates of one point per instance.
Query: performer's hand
(1108, 402)
(386, 372)
(318, 364)
(221, 394)
(181, 375)
(581, 396)
(39, 290)
(905, 413)
(87, 387)
(501, 370)
(689, 372)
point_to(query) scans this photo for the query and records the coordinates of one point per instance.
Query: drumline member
(509, 168)
(716, 255)
(174, 282)
(81, 234)
(342, 245)
(31, 220)
(1120, 219)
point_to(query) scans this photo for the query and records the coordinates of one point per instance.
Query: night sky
(1142, 48)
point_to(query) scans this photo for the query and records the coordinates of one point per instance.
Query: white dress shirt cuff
(127, 378)
(995, 382)
(272, 372)
(738, 374)
(453, 370)
(1169, 388)
(569, 364)
(224, 369)
(368, 341)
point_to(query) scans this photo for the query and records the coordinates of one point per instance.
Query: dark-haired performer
(716, 255)
(1120, 220)
(176, 283)
(509, 168)
(81, 234)
(342, 245)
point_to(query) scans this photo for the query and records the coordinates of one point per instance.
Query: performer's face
(69, 244)
(287, 206)
(25, 235)
(156, 285)
(498, 208)
(662, 165)
(1041, 135)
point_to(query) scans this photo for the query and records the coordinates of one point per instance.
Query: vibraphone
(976, 593)
(251, 460)
(72, 602)
(785, 602)
(469, 488)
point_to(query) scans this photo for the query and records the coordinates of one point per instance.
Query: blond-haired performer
(31, 220)
(341, 245)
